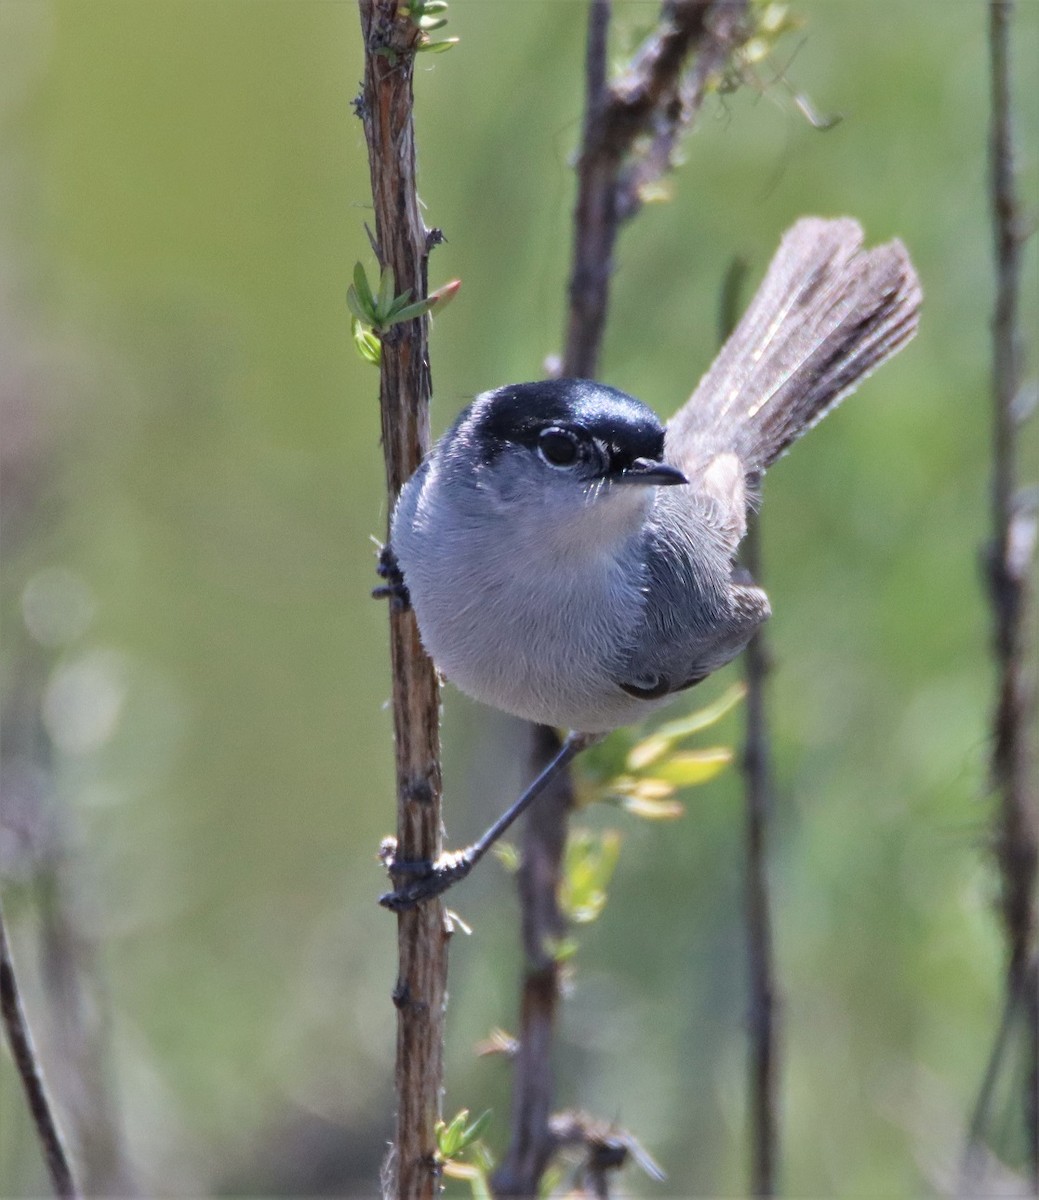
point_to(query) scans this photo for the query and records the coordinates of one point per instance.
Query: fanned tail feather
(826, 315)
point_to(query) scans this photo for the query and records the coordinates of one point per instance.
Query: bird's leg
(415, 882)
(394, 589)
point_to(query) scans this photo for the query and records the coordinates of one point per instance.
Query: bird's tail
(827, 313)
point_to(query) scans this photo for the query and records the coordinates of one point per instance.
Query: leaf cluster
(377, 311)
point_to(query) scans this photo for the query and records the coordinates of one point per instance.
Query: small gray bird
(572, 561)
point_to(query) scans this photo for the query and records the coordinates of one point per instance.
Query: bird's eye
(558, 447)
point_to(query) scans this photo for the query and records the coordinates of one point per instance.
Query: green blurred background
(198, 761)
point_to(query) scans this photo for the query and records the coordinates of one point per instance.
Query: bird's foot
(418, 881)
(394, 589)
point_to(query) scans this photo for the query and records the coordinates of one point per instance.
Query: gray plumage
(559, 565)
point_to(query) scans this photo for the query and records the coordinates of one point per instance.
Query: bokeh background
(197, 752)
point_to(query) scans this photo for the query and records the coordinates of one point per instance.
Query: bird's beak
(650, 471)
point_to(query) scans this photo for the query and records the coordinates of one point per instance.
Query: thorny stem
(30, 1073)
(402, 243)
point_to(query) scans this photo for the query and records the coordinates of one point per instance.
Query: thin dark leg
(430, 879)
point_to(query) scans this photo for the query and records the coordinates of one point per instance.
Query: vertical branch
(629, 131)
(403, 244)
(757, 775)
(595, 218)
(26, 1062)
(1009, 561)
(531, 1141)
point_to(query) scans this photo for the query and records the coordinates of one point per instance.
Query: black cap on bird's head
(572, 425)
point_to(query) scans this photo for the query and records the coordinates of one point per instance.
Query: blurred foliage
(198, 762)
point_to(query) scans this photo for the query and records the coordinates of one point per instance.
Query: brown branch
(30, 1073)
(629, 132)
(531, 1142)
(403, 243)
(1009, 563)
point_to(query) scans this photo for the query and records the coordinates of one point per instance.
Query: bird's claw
(394, 589)
(427, 879)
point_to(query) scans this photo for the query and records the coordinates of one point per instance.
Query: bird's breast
(532, 619)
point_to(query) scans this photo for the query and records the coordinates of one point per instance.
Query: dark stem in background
(30, 1073)
(652, 103)
(762, 1064)
(1009, 561)
(403, 243)
(531, 1142)
(630, 129)
(757, 774)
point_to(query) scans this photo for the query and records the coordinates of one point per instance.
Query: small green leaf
(688, 768)
(408, 312)
(476, 1128)
(643, 753)
(653, 810)
(398, 303)
(364, 290)
(455, 1138)
(646, 787)
(588, 864)
(438, 47)
(366, 342)
(508, 855)
(703, 718)
(354, 303)
(449, 1137)
(658, 743)
(386, 282)
(561, 949)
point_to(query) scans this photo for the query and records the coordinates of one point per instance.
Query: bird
(573, 560)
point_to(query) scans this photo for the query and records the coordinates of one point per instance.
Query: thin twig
(30, 1072)
(757, 774)
(758, 793)
(386, 108)
(1009, 564)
